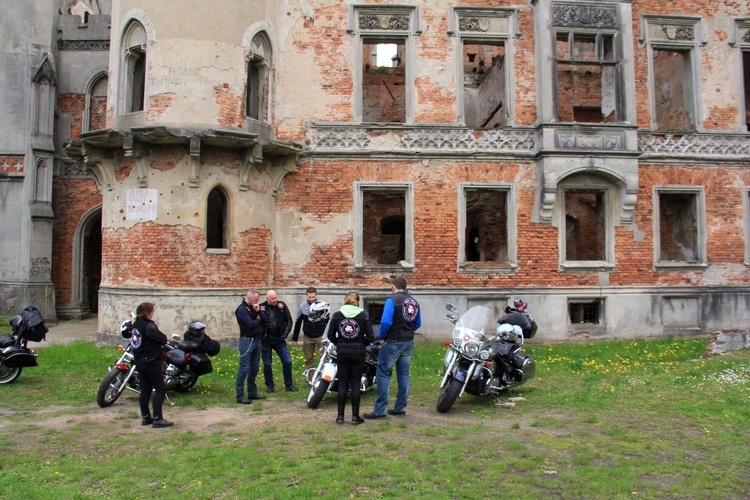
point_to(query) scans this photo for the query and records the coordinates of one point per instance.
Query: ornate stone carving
(585, 16)
(383, 22)
(683, 33)
(11, 164)
(593, 141)
(40, 267)
(473, 24)
(695, 145)
(83, 44)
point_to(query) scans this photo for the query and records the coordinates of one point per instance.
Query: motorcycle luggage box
(200, 364)
(177, 357)
(18, 357)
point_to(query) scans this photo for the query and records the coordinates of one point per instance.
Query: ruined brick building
(591, 157)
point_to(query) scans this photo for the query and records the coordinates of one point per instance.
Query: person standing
(350, 329)
(147, 341)
(401, 318)
(252, 323)
(277, 329)
(312, 340)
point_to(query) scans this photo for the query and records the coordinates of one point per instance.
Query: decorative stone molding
(40, 268)
(671, 31)
(357, 140)
(585, 16)
(708, 146)
(11, 165)
(596, 141)
(380, 19)
(483, 21)
(739, 34)
(83, 44)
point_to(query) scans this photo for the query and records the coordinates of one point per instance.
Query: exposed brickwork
(231, 106)
(11, 164)
(74, 106)
(158, 105)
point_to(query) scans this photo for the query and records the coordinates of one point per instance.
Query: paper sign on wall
(141, 204)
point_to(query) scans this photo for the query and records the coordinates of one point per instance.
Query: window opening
(257, 77)
(375, 311)
(97, 103)
(585, 225)
(585, 312)
(587, 77)
(384, 226)
(484, 85)
(216, 219)
(746, 85)
(486, 230)
(383, 81)
(134, 44)
(673, 90)
(678, 227)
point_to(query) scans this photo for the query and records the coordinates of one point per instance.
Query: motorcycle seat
(189, 345)
(7, 340)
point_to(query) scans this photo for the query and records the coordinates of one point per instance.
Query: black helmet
(16, 322)
(196, 331)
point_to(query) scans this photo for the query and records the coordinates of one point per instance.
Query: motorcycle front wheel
(8, 375)
(448, 395)
(111, 388)
(317, 394)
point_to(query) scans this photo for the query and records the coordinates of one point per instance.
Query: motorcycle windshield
(477, 321)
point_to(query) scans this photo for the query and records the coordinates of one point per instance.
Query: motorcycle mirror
(175, 336)
(451, 308)
(132, 314)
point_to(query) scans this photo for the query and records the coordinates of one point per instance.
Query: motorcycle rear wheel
(318, 393)
(111, 388)
(187, 386)
(448, 395)
(8, 375)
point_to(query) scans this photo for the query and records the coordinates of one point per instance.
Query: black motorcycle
(184, 361)
(483, 360)
(14, 353)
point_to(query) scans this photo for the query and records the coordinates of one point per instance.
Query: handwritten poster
(141, 204)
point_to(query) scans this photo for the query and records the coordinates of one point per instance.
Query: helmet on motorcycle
(520, 305)
(196, 331)
(16, 322)
(126, 328)
(319, 311)
(508, 332)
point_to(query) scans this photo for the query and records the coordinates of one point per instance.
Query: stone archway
(87, 264)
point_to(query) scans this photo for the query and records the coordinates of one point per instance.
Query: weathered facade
(590, 157)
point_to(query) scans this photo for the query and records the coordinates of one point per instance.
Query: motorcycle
(183, 362)
(323, 380)
(14, 352)
(483, 360)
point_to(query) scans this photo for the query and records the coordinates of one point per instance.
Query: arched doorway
(87, 263)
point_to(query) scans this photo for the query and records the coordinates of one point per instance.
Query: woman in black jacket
(147, 342)
(350, 329)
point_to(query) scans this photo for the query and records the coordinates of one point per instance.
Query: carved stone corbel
(195, 161)
(248, 157)
(93, 161)
(278, 169)
(142, 160)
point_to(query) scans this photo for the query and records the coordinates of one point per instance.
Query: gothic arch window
(96, 103)
(258, 78)
(133, 68)
(217, 216)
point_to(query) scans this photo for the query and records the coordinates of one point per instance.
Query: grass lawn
(639, 419)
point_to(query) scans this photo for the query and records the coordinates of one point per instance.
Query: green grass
(600, 420)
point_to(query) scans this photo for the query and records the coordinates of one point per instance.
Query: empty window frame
(484, 84)
(679, 227)
(585, 312)
(384, 232)
(746, 86)
(134, 68)
(217, 215)
(258, 78)
(383, 80)
(588, 77)
(486, 224)
(586, 234)
(95, 117)
(674, 108)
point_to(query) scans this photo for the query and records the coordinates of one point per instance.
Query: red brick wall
(73, 105)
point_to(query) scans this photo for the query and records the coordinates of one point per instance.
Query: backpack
(33, 325)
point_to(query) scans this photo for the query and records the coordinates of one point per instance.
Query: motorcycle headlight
(472, 348)
(485, 354)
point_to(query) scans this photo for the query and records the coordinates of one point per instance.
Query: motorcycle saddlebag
(210, 346)
(34, 328)
(19, 357)
(200, 364)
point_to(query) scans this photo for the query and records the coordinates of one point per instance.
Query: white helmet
(508, 332)
(319, 311)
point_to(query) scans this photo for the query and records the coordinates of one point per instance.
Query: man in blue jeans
(252, 323)
(278, 328)
(401, 318)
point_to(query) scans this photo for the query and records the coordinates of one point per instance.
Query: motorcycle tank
(200, 364)
(18, 357)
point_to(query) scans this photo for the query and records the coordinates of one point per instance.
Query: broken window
(134, 67)
(258, 74)
(386, 231)
(588, 86)
(585, 225)
(484, 84)
(746, 85)
(486, 225)
(96, 104)
(217, 209)
(383, 81)
(673, 90)
(679, 228)
(585, 312)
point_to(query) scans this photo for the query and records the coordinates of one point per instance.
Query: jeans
(249, 349)
(398, 354)
(277, 344)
